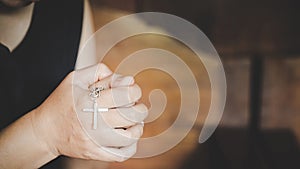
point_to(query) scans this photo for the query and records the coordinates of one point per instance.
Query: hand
(62, 125)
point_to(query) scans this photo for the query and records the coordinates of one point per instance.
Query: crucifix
(94, 94)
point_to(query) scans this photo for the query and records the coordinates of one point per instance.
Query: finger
(102, 72)
(125, 116)
(121, 96)
(121, 154)
(122, 137)
(137, 113)
(132, 133)
(115, 80)
(89, 75)
(104, 83)
(121, 81)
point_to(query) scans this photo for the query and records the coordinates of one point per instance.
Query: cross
(95, 110)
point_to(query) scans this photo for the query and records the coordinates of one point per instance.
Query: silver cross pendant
(94, 94)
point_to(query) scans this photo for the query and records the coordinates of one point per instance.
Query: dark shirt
(45, 56)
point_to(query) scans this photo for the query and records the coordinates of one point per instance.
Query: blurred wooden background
(267, 30)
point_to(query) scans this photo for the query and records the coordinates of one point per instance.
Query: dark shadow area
(233, 148)
(238, 27)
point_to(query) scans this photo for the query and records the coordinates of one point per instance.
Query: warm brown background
(240, 31)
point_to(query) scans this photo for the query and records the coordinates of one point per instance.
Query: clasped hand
(66, 129)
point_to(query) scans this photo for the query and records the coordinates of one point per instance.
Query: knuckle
(135, 92)
(87, 155)
(142, 109)
(135, 135)
(103, 68)
(131, 140)
(86, 152)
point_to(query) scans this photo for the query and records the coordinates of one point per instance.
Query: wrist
(21, 145)
(43, 132)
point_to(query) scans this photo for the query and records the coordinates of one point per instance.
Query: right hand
(60, 123)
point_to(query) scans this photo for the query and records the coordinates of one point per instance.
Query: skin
(17, 3)
(54, 129)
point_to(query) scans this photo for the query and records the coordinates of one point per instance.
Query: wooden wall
(239, 30)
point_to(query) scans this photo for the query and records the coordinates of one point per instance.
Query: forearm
(21, 148)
